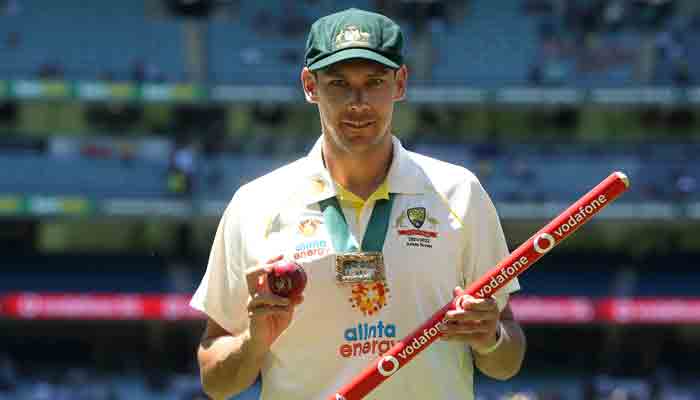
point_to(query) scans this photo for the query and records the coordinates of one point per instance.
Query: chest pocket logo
(312, 244)
(421, 231)
(309, 226)
(416, 216)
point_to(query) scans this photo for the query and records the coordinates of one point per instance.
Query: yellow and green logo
(416, 216)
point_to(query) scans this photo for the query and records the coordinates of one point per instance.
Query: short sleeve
(486, 243)
(223, 292)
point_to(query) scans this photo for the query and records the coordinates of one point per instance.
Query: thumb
(256, 277)
(457, 293)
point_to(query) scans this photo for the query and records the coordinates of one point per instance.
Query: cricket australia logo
(418, 226)
(416, 216)
(351, 35)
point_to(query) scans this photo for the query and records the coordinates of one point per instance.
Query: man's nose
(359, 99)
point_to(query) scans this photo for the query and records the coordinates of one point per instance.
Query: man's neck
(363, 174)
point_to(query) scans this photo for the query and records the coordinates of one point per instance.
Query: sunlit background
(126, 126)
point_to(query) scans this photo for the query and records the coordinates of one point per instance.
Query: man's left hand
(475, 323)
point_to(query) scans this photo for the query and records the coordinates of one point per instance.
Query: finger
(267, 299)
(471, 315)
(468, 330)
(465, 330)
(297, 300)
(465, 325)
(275, 259)
(461, 337)
(453, 337)
(254, 309)
(478, 300)
(473, 303)
(262, 312)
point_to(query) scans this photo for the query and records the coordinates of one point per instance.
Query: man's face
(356, 102)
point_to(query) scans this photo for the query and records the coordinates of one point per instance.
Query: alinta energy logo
(369, 297)
(368, 340)
(308, 228)
(310, 249)
(418, 226)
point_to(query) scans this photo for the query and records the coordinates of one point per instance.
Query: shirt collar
(382, 193)
(405, 176)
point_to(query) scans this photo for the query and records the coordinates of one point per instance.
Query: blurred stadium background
(125, 127)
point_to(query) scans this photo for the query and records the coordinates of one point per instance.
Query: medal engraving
(359, 267)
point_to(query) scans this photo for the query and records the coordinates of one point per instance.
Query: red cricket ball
(287, 279)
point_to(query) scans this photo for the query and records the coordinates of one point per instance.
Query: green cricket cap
(354, 33)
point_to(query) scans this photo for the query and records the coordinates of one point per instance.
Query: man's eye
(337, 82)
(376, 82)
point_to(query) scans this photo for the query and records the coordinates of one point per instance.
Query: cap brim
(353, 53)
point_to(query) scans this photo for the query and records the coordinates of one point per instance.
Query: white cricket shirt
(444, 231)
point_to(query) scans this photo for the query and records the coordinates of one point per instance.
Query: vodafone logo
(543, 243)
(387, 365)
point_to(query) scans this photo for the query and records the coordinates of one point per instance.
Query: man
(386, 237)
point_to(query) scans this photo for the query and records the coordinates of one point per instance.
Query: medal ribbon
(338, 229)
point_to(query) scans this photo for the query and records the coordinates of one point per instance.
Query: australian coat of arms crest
(351, 35)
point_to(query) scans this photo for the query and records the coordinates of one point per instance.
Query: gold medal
(357, 267)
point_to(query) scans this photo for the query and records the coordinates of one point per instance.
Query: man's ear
(401, 77)
(310, 86)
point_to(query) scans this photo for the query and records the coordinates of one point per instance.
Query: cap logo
(351, 35)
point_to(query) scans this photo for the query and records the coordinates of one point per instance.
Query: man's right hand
(269, 314)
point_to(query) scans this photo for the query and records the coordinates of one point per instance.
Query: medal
(353, 263)
(359, 267)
